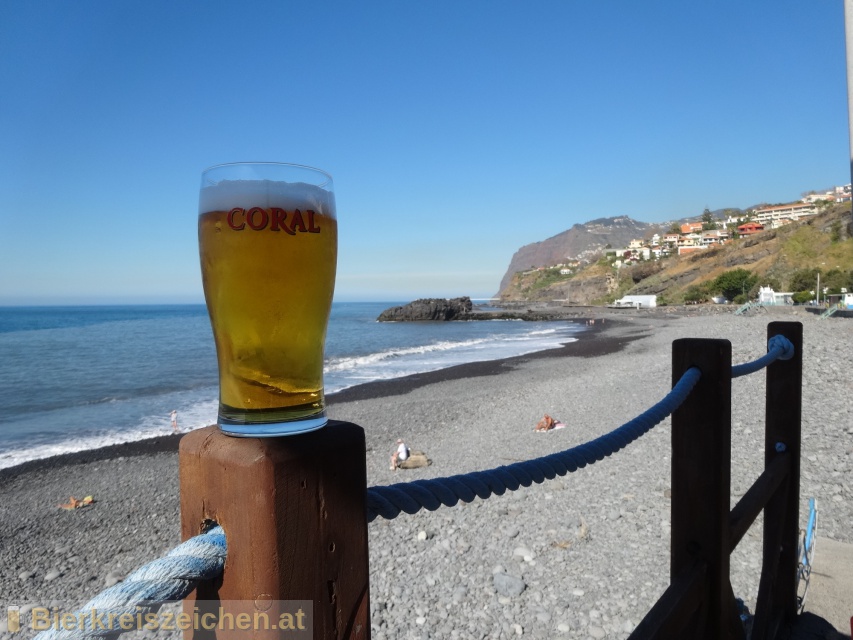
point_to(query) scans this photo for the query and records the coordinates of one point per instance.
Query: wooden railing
(699, 603)
(294, 513)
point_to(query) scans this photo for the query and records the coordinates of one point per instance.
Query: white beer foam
(228, 194)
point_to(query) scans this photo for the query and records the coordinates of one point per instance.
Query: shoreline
(593, 341)
(610, 334)
(606, 336)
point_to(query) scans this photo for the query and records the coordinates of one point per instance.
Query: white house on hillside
(793, 211)
(638, 302)
(767, 296)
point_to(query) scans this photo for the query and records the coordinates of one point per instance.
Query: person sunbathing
(401, 453)
(545, 424)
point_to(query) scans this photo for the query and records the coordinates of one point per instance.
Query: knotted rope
(778, 348)
(410, 497)
(166, 579)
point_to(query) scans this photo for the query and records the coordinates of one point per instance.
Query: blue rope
(146, 589)
(778, 348)
(410, 497)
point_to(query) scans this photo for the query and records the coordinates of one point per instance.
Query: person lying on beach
(547, 423)
(400, 454)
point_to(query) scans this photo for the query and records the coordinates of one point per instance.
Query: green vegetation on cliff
(787, 259)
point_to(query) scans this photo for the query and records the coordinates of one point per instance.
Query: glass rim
(223, 165)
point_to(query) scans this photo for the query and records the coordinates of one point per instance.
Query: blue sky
(456, 132)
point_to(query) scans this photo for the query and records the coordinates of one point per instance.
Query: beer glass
(268, 242)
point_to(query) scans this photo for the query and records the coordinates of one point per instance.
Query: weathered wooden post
(699, 602)
(293, 511)
(701, 485)
(777, 591)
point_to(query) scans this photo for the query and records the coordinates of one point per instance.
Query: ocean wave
(46, 436)
(497, 342)
(344, 373)
(354, 362)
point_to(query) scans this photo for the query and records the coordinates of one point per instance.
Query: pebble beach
(581, 556)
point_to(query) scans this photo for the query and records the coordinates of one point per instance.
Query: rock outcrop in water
(429, 309)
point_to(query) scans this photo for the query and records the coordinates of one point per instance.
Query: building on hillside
(718, 236)
(691, 227)
(635, 244)
(671, 238)
(735, 219)
(638, 302)
(836, 194)
(793, 211)
(749, 228)
(690, 240)
(768, 297)
(814, 198)
(781, 222)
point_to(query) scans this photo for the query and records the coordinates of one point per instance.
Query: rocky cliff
(590, 286)
(581, 242)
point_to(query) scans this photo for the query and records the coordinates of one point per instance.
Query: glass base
(272, 429)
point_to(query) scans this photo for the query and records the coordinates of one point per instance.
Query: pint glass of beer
(268, 240)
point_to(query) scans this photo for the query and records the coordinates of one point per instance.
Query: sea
(78, 378)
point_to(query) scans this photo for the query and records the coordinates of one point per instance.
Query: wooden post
(701, 483)
(777, 592)
(293, 510)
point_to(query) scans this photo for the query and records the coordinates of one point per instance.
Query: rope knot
(781, 343)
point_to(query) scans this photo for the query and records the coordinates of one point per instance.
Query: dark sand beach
(585, 555)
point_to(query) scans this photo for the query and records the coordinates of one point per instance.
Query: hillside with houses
(680, 261)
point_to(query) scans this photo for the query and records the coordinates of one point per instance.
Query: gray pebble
(508, 585)
(523, 553)
(113, 578)
(459, 594)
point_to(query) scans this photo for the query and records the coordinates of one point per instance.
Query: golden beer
(268, 257)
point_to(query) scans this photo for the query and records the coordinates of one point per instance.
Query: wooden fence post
(777, 593)
(293, 511)
(701, 484)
